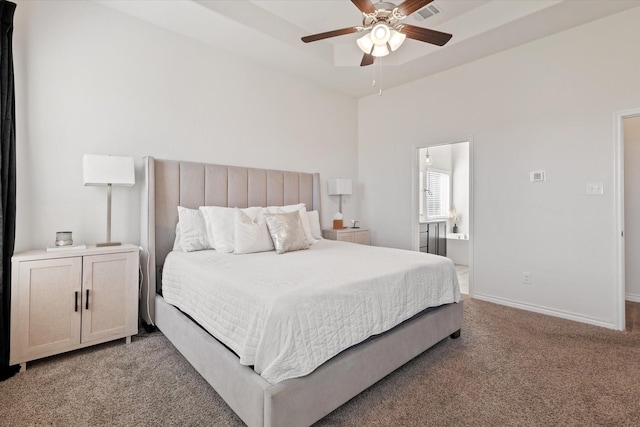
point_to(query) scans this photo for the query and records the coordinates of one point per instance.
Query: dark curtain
(7, 179)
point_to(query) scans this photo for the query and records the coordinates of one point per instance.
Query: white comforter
(287, 314)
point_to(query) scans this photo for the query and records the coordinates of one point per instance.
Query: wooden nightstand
(70, 299)
(353, 235)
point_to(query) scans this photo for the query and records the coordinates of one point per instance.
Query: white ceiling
(269, 32)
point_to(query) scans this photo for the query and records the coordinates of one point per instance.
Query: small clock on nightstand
(353, 235)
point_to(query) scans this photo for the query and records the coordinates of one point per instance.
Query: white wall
(632, 207)
(92, 80)
(548, 105)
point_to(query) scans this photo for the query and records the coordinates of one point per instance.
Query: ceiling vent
(426, 12)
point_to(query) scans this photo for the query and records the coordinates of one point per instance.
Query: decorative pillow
(314, 224)
(193, 232)
(251, 234)
(286, 231)
(302, 210)
(220, 224)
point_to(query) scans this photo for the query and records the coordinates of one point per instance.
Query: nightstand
(70, 299)
(353, 235)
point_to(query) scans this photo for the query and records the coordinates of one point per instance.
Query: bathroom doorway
(443, 201)
(629, 147)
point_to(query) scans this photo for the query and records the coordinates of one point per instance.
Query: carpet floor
(509, 368)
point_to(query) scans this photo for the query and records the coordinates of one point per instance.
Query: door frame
(620, 288)
(415, 186)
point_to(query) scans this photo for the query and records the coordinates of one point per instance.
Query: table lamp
(338, 187)
(108, 171)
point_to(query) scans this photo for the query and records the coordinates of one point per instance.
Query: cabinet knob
(86, 307)
(76, 302)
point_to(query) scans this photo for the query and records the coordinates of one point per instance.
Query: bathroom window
(437, 190)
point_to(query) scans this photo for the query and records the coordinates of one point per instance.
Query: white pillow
(220, 224)
(193, 232)
(251, 234)
(176, 241)
(286, 231)
(302, 210)
(314, 224)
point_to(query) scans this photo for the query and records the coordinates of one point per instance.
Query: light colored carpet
(510, 367)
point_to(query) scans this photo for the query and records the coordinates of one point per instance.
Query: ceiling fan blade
(334, 33)
(425, 35)
(367, 59)
(407, 7)
(365, 6)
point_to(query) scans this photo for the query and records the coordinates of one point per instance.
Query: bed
(256, 399)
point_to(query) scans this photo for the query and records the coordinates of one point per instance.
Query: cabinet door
(109, 296)
(424, 239)
(48, 317)
(432, 238)
(361, 237)
(442, 239)
(346, 236)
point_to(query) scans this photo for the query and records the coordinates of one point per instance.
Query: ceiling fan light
(380, 50)
(380, 34)
(396, 40)
(365, 43)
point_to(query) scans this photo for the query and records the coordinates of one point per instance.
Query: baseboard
(545, 310)
(632, 297)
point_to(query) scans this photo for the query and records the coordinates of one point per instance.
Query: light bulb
(380, 33)
(427, 159)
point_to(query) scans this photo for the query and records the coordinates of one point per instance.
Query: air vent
(426, 12)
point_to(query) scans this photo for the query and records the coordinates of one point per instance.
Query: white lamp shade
(380, 34)
(365, 43)
(380, 39)
(396, 40)
(103, 170)
(338, 186)
(380, 50)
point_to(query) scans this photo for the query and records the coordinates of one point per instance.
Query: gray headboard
(171, 183)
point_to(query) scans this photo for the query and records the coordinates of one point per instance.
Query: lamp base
(337, 224)
(108, 244)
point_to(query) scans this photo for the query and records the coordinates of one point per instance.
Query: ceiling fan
(386, 32)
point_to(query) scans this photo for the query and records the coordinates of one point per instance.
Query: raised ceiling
(268, 32)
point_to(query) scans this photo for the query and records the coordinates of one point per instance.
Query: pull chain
(374, 76)
(380, 75)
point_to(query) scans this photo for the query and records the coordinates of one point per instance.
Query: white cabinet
(62, 301)
(353, 235)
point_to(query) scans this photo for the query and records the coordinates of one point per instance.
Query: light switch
(595, 188)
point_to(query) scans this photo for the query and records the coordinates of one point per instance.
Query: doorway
(443, 198)
(627, 125)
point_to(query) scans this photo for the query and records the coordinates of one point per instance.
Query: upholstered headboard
(171, 183)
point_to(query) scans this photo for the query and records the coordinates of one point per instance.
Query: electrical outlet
(526, 278)
(595, 188)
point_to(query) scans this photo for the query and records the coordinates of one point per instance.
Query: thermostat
(537, 176)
